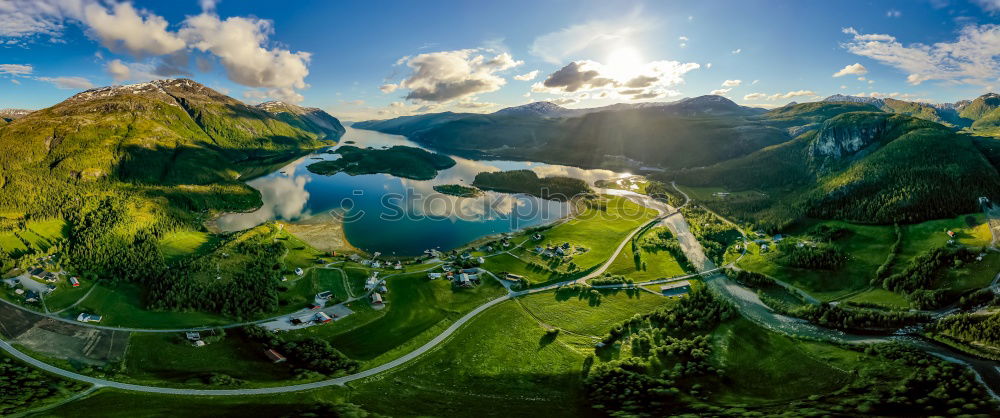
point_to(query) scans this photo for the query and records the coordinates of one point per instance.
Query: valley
(515, 284)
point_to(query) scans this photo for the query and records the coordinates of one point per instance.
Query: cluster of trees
(714, 235)
(918, 280)
(311, 354)
(935, 387)
(818, 256)
(609, 279)
(23, 387)
(668, 346)
(661, 190)
(890, 260)
(250, 290)
(834, 316)
(971, 327)
(526, 181)
(400, 161)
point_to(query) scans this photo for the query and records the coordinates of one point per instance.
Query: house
(383, 289)
(199, 343)
(470, 271)
(764, 248)
(398, 266)
(778, 238)
(566, 246)
(85, 317)
(676, 288)
(193, 336)
(376, 264)
(951, 234)
(537, 237)
(433, 276)
(372, 281)
(481, 260)
(512, 276)
(323, 318)
(74, 281)
(463, 279)
(376, 299)
(539, 250)
(298, 271)
(327, 295)
(36, 272)
(31, 297)
(49, 277)
(274, 356)
(355, 258)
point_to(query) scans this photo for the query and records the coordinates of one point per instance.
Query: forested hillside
(126, 165)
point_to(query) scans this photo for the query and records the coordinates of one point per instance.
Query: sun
(624, 63)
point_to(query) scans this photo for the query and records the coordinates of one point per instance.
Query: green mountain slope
(868, 167)
(983, 111)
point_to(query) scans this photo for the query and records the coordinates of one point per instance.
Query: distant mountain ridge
(11, 114)
(160, 131)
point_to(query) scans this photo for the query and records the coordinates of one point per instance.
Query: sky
(380, 59)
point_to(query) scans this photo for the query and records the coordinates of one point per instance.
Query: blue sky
(363, 60)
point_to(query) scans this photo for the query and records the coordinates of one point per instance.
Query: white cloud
(893, 13)
(972, 58)
(21, 19)
(68, 83)
(388, 88)
(16, 69)
(15, 81)
(527, 76)
(444, 76)
(991, 6)
(720, 92)
(646, 81)
(731, 83)
(601, 35)
(240, 45)
(135, 71)
(755, 82)
(843, 86)
(778, 96)
(853, 69)
(737, 51)
(126, 29)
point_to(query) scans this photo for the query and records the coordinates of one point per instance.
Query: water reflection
(395, 215)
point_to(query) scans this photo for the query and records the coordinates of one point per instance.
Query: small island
(527, 182)
(458, 190)
(400, 161)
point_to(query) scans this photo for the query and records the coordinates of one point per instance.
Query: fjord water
(394, 215)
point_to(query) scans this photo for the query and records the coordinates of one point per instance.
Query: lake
(398, 216)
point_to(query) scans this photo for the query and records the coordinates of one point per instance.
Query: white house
(298, 271)
(433, 276)
(85, 317)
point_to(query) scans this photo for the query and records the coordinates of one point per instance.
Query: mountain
(308, 118)
(944, 113)
(539, 109)
(861, 166)
(165, 132)
(685, 133)
(7, 115)
(874, 101)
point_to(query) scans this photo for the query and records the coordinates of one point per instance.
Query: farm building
(74, 281)
(676, 289)
(376, 299)
(193, 336)
(85, 317)
(298, 271)
(433, 276)
(323, 318)
(274, 356)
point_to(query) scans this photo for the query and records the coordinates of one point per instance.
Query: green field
(866, 247)
(300, 254)
(121, 306)
(511, 264)
(658, 265)
(414, 305)
(971, 230)
(881, 297)
(500, 363)
(10, 243)
(182, 243)
(116, 403)
(302, 291)
(169, 357)
(582, 316)
(599, 231)
(66, 295)
(764, 367)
